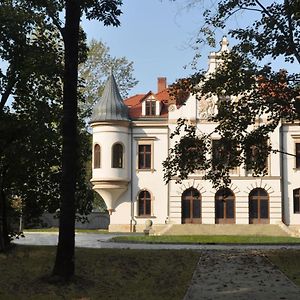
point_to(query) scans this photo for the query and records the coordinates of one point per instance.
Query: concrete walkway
(226, 272)
(91, 240)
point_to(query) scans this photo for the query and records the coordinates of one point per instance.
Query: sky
(155, 35)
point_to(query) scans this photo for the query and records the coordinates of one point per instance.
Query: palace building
(131, 139)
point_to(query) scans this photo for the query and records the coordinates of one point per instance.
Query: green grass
(101, 274)
(55, 229)
(288, 261)
(208, 239)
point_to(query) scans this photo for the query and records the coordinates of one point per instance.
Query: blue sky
(155, 35)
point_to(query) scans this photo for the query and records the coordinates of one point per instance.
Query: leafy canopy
(252, 98)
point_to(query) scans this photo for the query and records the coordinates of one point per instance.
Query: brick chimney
(161, 84)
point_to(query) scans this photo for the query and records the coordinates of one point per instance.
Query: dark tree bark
(4, 238)
(64, 263)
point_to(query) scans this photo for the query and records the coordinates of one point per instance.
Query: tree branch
(7, 93)
(289, 35)
(291, 30)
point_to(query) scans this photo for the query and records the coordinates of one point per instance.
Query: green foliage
(93, 73)
(252, 99)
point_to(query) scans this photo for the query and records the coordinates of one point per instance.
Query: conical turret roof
(110, 107)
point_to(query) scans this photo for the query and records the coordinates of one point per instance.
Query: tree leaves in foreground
(252, 98)
(93, 73)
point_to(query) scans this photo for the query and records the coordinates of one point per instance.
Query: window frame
(140, 141)
(218, 154)
(296, 200)
(150, 107)
(297, 154)
(96, 158)
(144, 200)
(258, 194)
(113, 160)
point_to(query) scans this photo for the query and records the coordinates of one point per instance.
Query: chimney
(161, 84)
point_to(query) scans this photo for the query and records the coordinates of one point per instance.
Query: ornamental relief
(207, 108)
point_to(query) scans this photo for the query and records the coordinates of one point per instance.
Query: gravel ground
(239, 275)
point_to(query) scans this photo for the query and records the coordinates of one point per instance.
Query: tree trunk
(64, 263)
(4, 238)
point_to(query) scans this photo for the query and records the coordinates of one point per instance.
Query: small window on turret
(117, 156)
(97, 153)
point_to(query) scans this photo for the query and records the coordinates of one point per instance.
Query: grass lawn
(208, 239)
(101, 274)
(288, 261)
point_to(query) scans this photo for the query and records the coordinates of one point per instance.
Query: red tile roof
(134, 104)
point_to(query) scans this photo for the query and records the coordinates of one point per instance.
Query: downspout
(168, 187)
(132, 220)
(282, 175)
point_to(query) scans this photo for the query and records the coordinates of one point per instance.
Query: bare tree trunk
(64, 263)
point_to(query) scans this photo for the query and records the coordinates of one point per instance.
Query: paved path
(239, 275)
(90, 240)
(227, 272)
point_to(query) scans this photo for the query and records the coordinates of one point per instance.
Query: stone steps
(222, 229)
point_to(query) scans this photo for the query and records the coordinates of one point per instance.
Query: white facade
(136, 192)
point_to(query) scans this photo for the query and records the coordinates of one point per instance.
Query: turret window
(117, 156)
(144, 204)
(97, 153)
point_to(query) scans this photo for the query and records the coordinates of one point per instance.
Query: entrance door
(191, 206)
(259, 207)
(225, 207)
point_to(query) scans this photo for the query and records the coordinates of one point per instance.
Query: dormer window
(150, 107)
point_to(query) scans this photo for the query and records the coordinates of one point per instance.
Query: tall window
(225, 206)
(257, 156)
(258, 206)
(222, 154)
(144, 203)
(144, 157)
(97, 154)
(191, 206)
(297, 155)
(150, 107)
(117, 156)
(296, 194)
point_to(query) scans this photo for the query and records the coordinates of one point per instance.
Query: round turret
(111, 147)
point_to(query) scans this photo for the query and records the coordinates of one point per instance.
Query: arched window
(225, 206)
(97, 153)
(259, 207)
(144, 203)
(191, 206)
(117, 156)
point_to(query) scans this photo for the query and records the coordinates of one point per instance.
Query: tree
(50, 13)
(34, 61)
(30, 133)
(246, 90)
(96, 68)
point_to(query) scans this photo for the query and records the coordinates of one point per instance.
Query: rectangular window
(150, 107)
(144, 157)
(296, 196)
(220, 155)
(297, 155)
